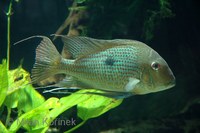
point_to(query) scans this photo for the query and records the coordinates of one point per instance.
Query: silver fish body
(112, 65)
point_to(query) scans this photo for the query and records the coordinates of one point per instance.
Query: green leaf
(66, 103)
(18, 78)
(96, 106)
(35, 119)
(40, 118)
(11, 100)
(3, 81)
(21, 94)
(29, 98)
(3, 128)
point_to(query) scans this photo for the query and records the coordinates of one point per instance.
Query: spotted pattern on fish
(93, 70)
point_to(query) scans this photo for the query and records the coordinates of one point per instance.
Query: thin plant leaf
(96, 106)
(3, 81)
(3, 129)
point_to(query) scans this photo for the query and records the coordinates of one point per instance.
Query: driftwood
(74, 29)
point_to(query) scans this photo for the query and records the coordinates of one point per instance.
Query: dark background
(176, 38)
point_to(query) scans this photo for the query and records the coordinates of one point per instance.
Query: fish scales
(105, 74)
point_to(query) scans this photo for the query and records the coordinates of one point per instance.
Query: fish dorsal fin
(81, 46)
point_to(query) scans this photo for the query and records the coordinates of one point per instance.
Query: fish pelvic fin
(47, 61)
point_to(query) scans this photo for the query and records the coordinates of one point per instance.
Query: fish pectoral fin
(82, 46)
(131, 84)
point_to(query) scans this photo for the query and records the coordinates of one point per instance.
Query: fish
(119, 67)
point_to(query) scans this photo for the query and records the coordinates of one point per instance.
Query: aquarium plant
(27, 109)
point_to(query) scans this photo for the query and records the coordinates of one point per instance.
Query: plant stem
(9, 13)
(8, 117)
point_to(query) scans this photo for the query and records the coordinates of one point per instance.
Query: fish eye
(155, 65)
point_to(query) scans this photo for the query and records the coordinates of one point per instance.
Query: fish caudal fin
(47, 61)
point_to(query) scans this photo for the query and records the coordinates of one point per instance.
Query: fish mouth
(171, 84)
